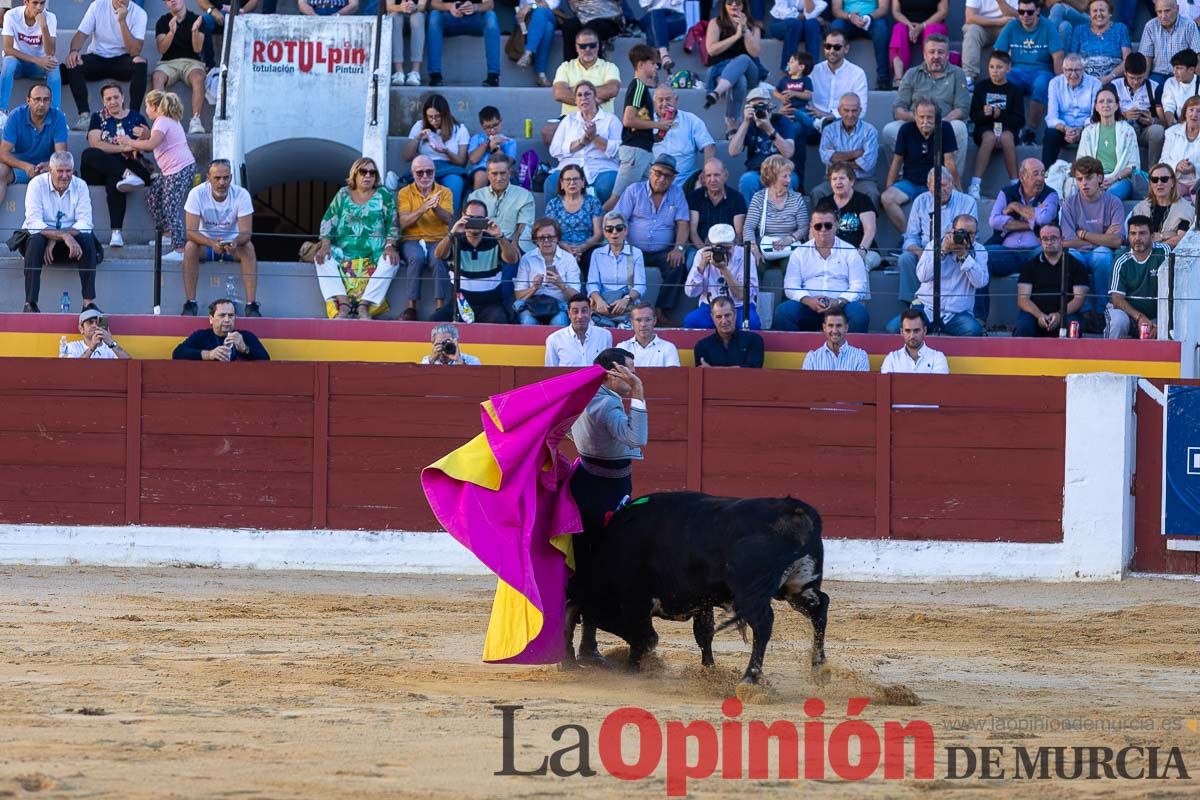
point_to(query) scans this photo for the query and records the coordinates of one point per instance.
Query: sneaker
(398, 78)
(973, 191)
(413, 78)
(492, 80)
(435, 79)
(117, 239)
(196, 126)
(1028, 136)
(189, 309)
(83, 121)
(252, 310)
(129, 182)
(31, 308)
(173, 255)
(525, 60)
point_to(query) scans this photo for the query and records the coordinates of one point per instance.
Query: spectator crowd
(639, 210)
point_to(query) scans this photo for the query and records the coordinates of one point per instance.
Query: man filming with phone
(220, 341)
(482, 251)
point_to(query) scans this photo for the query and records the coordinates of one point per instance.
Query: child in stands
(996, 105)
(794, 92)
(490, 140)
(176, 166)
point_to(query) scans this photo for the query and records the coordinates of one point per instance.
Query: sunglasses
(1160, 178)
(833, 47)
(1051, 238)
(822, 226)
(419, 172)
(368, 172)
(1027, 12)
(545, 239)
(613, 228)
(587, 45)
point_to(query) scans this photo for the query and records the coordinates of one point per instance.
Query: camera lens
(449, 347)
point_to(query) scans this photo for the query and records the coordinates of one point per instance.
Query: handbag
(514, 48)
(542, 306)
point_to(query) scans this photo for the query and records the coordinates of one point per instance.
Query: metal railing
(226, 46)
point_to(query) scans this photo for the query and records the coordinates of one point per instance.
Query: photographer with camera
(964, 269)
(719, 270)
(476, 246)
(445, 348)
(758, 134)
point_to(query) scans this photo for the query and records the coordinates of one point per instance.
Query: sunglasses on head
(613, 228)
(830, 46)
(822, 226)
(1160, 178)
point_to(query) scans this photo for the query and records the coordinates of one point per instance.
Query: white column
(1097, 504)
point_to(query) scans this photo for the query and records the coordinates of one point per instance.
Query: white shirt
(100, 22)
(219, 220)
(563, 348)
(659, 353)
(459, 137)
(468, 360)
(842, 275)
(794, 9)
(1175, 94)
(1176, 146)
(959, 280)
(991, 8)
(46, 208)
(27, 38)
(533, 263)
(829, 86)
(929, 362)
(78, 348)
(684, 141)
(591, 158)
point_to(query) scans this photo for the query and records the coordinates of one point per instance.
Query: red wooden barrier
(341, 445)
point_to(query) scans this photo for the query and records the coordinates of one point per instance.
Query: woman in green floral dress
(357, 257)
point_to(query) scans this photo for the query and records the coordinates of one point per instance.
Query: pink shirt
(173, 153)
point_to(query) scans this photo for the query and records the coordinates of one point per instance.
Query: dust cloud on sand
(206, 683)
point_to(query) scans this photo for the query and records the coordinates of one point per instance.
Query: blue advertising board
(1181, 462)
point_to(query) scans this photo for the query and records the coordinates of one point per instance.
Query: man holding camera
(445, 348)
(219, 341)
(482, 253)
(719, 270)
(964, 269)
(97, 342)
(759, 135)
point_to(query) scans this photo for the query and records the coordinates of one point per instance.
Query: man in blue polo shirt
(32, 133)
(1037, 56)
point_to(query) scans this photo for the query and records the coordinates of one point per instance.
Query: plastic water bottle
(231, 290)
(62, 347)
(464, 309)
(65, 306)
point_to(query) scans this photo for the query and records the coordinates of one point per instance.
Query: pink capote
(510, 528)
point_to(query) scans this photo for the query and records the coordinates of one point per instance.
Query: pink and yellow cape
(505, 495)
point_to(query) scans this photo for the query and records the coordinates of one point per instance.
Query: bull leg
(760, 625)
(641, 643)
(814, 604)
(702, 628)
(569, 623)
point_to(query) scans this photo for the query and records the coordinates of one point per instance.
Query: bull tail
(735, 621)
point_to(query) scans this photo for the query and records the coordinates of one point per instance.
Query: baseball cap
(758, 93)
(91, 313)
(721, 234)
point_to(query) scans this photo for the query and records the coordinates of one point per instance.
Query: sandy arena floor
(203, 683)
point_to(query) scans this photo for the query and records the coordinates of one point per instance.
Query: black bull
(675, 555)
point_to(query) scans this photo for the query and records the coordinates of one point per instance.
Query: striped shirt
(848, 359)
(836, 139)
(1158, 46)
(789, 220)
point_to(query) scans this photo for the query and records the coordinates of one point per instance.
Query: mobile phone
(477, 223)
